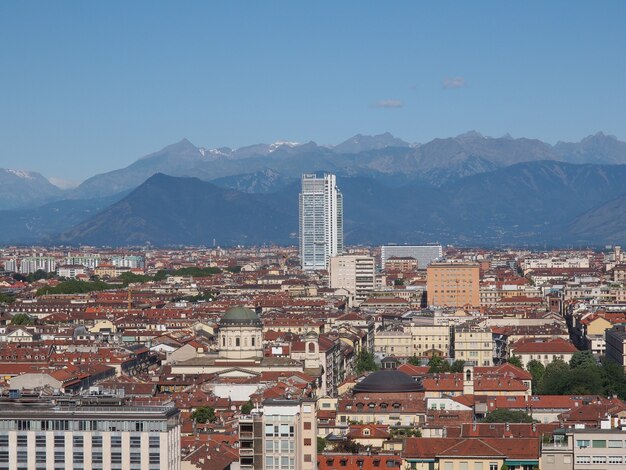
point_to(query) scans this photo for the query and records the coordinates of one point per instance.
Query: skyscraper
(321, 221)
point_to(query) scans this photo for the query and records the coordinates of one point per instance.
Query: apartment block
(475, 346)
(356, 274)
(453, 284)
(88, 433)
(282, 435)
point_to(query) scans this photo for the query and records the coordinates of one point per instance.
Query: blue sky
(88, 87)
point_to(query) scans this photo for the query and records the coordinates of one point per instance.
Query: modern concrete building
(282, 434)
(356, 274)
(584, 449)
(616, 344)
(321, 221)
(424, 254)
(453, 284)
(89, 432)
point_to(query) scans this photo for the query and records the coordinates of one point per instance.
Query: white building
(424, 254)
(280, 435)
(321, 221)
(31, 264)
(90, 432)
(356, 274)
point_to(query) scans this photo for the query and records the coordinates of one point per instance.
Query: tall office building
(321, 221)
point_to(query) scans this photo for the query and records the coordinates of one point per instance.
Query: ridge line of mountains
(469, 189)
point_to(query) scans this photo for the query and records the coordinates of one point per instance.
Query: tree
(364, 362)
(438, 364)
(321, 444)
(398, 282)
(204, 414)
(515, 361)
(537, 370)
(554, 379)
(6, 298)
(247, 408)
(502, 415)
(457, 366)
(582, 359)
(21, 319)
(415, 361)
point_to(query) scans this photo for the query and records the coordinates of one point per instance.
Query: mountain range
(468, 189)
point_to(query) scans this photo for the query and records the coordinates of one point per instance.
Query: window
(598, 459)
(59, 441)
(307, 425)
(78, 457)
(269, 430)
(478, 466)
(598, 444)
(135, 442)
(96, 457)
(615, 444)
(4, 440)
(154, 442)
(307, 441)
(154, 457)
(493, 466)
(116, 441)
(22, 441)
(583, 459)
(4, 456)
(615, 459)
(96, 441)
(582, 443)
(59, 456)
(307, 458)
(116, 457)
(135, 457)
(237, 341)
(78, 441)
(22, 456)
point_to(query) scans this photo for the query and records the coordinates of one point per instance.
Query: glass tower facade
(321, 221)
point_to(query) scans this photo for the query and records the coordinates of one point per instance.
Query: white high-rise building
(321, 221)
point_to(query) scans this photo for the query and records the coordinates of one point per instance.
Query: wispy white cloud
(454, 82)
(389, 104)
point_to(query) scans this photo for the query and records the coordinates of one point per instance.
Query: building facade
(453, 284)
(321, 221)
(87, 433)
(424, 254)
(282, 435)
(356, 274)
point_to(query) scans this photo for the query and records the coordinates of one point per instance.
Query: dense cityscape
(281, 235)
(318, 356)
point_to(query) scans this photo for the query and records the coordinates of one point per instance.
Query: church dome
(388, 381)
(240, 316)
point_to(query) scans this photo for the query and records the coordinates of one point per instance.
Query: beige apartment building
(453, 284)
(475, 346)
(429, 340)
(280, 435)
(414, 340)
(355, 274)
